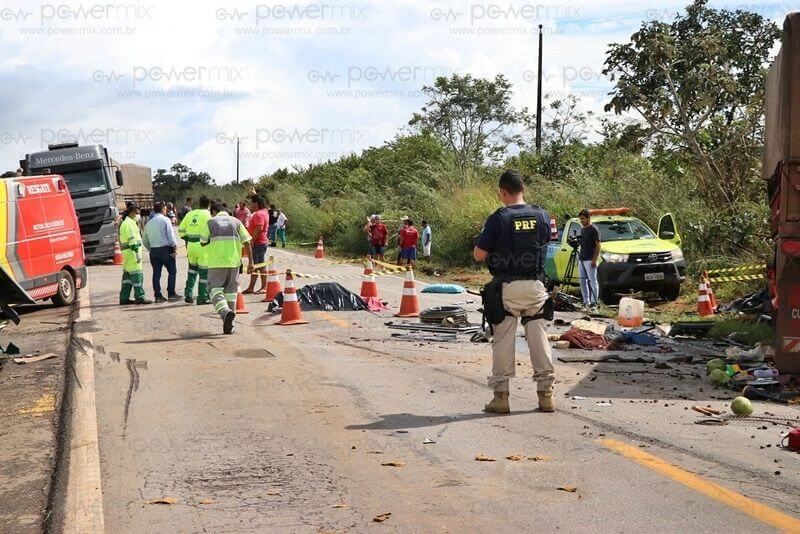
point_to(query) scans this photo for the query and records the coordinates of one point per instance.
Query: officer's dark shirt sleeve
(490, 233)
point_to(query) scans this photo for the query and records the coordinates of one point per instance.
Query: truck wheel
(670, 293)
(66, 290)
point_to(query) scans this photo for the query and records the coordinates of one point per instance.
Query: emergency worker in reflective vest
(130, 241)
(189, 231)
(223, 237)
(513, 243)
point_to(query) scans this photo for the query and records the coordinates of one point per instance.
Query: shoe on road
(188, 300)
(227, 324)
(160, 299)
(499, 404)
(144, 301)
(174, 298)
(124, 302)
(203, 302)
(546, 401)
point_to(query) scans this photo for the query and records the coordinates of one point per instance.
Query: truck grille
(653, 257)
(91, 219)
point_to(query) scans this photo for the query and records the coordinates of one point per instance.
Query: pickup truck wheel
(66, 290)
(670, 293)
(607, 296)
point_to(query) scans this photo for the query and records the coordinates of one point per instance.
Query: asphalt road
(284, 429)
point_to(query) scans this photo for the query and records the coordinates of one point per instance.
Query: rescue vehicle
(40, 240)
(632, 256)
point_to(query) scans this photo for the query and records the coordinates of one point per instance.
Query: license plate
(649, 277)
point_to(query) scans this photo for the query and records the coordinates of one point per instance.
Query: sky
(160, 82)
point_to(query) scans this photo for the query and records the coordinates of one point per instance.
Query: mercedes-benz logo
(652, 258)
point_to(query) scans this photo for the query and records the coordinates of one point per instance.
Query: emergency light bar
(611, 211)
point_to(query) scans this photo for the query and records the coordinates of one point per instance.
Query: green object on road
(742, 406)
(718, 376)
(716, 363)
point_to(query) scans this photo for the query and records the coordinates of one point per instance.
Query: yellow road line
(341, 323)
(763, 513)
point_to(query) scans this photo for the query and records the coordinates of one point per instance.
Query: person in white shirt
(280, 227)
(426, 241)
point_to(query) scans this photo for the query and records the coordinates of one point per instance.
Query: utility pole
(539, 97)
(237, 159)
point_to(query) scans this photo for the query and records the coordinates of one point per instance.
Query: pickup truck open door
(667, 230)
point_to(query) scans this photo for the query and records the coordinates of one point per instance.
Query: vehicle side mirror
(666, 235)
(118, 174)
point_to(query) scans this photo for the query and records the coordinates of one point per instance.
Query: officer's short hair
(512, 181)
(260, 202)
(158, 206)
(216, 207)
(205, 202)
(585, 213)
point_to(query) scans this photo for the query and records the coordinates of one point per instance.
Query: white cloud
(161, 82)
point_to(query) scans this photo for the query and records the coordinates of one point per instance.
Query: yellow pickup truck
(632, 256)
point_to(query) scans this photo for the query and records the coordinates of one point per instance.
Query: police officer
(513, 245)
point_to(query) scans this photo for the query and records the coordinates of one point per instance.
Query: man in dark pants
(159, 239)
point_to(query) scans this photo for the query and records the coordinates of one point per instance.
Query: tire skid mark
(133, 385)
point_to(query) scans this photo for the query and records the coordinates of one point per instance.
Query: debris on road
(206, 501)
(380, 518)
(325, 296)
(31, 358)
(540, 458)
(428, 441)
(515, 457)
(272, 493)
(393, 463)
(483, 458)
(11, 350)
(568, 488)
(165, 500)
(585, 339)
(444, 288)
(742, 406)
(430, 328)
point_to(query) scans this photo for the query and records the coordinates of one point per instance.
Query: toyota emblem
(652, 258)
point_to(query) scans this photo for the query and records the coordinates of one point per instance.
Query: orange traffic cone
(368, 287)
(704, 308)
(117, 254)
(409, 304)
(240, 309)
(711, 297)
(553, 229)
(320, 253)
(273, 284)
(290, 314)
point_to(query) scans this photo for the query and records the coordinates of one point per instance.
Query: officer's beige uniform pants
(522, 298)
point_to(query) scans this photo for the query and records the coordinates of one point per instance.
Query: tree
(698, 82)
(470, 116)
(564, 121)
(172, 186)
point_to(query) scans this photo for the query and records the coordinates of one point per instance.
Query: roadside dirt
(30, 404)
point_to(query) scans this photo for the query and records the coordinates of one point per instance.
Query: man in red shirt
(378, 235)
(259, 224)
(242, 213)
(409, 236)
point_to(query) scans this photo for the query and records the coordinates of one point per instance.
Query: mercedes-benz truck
(92, 180)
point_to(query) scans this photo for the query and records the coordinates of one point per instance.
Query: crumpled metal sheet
(328, 296)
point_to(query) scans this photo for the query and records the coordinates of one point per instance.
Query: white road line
(84, 513)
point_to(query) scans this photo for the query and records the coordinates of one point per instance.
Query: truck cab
(92, 181)
(632, 256)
